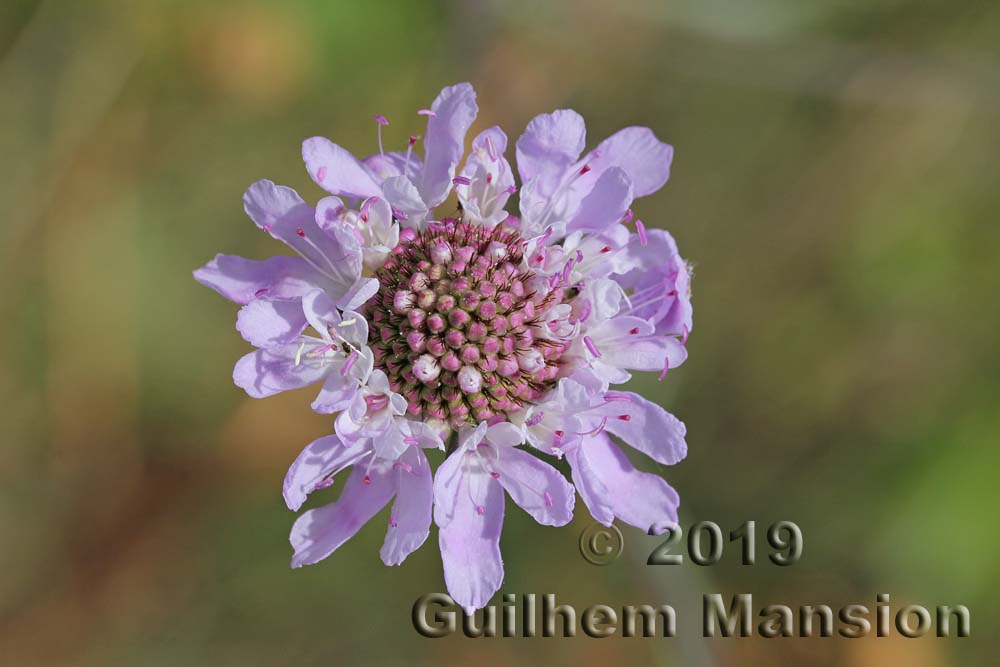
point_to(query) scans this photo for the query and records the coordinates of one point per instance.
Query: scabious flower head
(476, 327)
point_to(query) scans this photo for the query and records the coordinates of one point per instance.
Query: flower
(474, 327)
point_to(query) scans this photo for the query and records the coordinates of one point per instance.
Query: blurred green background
(835, 182)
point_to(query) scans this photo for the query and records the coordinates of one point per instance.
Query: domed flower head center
(458, 324)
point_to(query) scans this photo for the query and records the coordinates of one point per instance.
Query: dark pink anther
(301, 232)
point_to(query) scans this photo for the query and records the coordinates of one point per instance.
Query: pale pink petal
(605, 204)
(641, 499)
(271, 371)
(647, 427)
(470, 546)
(335, 170)
(271, 322)
(645, 158)
(313, 466)
(319, 532)
(444, 143)
(550, 144)
(410, 516)
(243, 280)
(538, 488)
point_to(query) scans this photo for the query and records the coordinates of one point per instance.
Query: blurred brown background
(835, 182)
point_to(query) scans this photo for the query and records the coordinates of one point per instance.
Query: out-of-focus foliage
(835, 182)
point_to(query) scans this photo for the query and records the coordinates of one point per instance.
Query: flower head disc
(459, 324)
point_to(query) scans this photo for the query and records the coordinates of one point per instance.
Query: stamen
(491, 150)
(365, 207)
(547, 498)
(666, 367)
(625, 418)
(634, 330)
(347, 323)
(628, 217)
(298, 353)
(684, 337)
(409, 154)
(584, 169)
(351, 358)
(301, 232)
(589, 342)
(641, 230)
(381, 120)
(461, 180)
(425, 112)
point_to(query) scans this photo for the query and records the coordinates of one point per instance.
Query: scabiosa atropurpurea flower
(496, 333)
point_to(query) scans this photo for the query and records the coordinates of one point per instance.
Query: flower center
(459, 326)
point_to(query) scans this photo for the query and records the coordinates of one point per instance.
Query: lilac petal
(337, 393)
(319, 532)
(359, 293)
(268, 372)
(410, 516)
(660, 271)
(321, 311)
(447, 482)
(243, 280)
(647, 427)
(405, 199)
(281, 212)
(538, 488)
(329, 213)
(387, 165)
(605, 204)
(504, 435)
(312, 467)
(278, 210)
(492, 178)
(629, 342)
(592, 491)
(641, 499)
(550, 144)
(444, 143)
(645, 158)
(334, 169)
(271, 322)
(470, 547)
